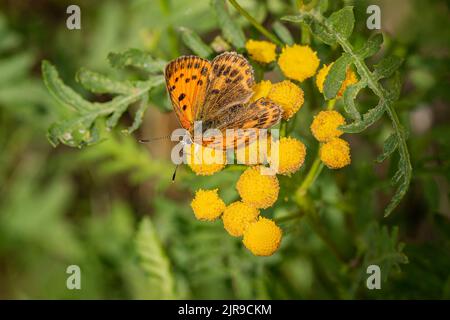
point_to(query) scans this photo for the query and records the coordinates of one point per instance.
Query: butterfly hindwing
(261, 114)
(186, 82)
(230, 83)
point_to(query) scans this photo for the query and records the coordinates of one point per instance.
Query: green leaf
(342, 21)
(390, 145)
(137, 59)
(336, 76)
(139, 116)
(350, 95)
(369, 118)
(283, 33)
(317, 28)
(386, 67)
(98, 83)
(372, 46)
(62, 93)
(78, 128)
(395, 87)
(384, 250)
(230, 28)
(154, 262)
(193, 41)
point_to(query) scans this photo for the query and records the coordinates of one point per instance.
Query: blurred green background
(111, 208)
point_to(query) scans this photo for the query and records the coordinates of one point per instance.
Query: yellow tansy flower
(325, 125)
(263, 237)
(256, 189)
(261, 90)
(205, 161)
(298, 62)
(254, 153)
(261, 51)
(350, 78)
(335, 153)
(237, 217)
(207, 205)
(291, 155)
(288, 96)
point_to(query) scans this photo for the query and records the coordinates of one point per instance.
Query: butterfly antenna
(174, 173)
(154, 139)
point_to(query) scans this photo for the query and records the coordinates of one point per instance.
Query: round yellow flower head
(261, 90)
(325, 125)
(263, 237)
(298, 62)
(335, 153)
(288, 96)
(291, 155)
(260, 191)
(205, 161)
(207, 205)
(237, 217)
(254, 153)
(350, 78)
(261, 51)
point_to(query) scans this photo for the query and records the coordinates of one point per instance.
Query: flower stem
(290, 217)
(316, 167)
(256, 24)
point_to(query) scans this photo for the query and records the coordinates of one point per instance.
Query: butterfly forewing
(186, 82)
(230, 83)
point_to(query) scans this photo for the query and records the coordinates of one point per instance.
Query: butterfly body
(216, 95)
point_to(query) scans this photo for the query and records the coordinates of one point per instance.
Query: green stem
(290, 217)
(377, 88)
(256, 24)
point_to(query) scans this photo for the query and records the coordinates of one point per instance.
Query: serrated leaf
(283, 33)
(98, 83)
(62, 93)
(137, 59)
(229, 26)
(336, 76)
(139, 116)
(342, 21)
(372, 46)
(154, 261)
(400, 192)
(193, 41)
(389, 146)
(369, 118)
(384, 250)
(395, 87)
(77, 129)
(318, 29)
(386, 67)
(350, 95)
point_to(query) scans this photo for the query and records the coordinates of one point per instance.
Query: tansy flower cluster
(257, 190)
(258, 186)
(297, 62)
(334, 152)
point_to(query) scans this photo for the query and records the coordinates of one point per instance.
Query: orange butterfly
(217, 94)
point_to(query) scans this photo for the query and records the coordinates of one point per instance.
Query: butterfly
(217, 93)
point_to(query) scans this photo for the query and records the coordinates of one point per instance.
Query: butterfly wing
(186, 82)
(230, 83)
(261, 114)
